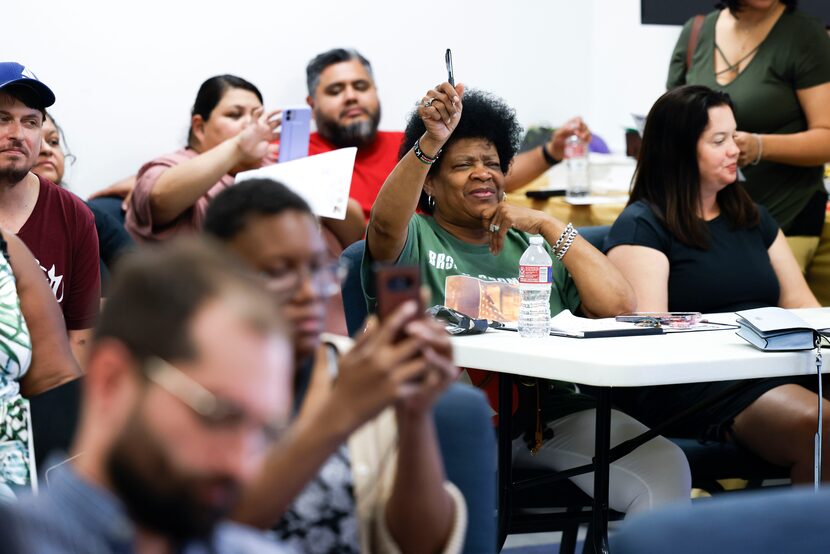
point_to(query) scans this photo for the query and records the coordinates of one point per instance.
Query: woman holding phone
(691, 239)
(229, 132)
(457, 150)
(360, 469)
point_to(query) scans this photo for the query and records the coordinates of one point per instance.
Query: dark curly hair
(484, 116)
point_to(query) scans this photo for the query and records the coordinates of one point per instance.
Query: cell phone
(294, 133)
(677, 320)
(397, 284)
(450, 74)
(544, 194)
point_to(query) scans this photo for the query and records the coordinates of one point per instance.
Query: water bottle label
(535, 274)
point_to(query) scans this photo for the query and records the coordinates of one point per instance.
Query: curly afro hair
(484, 116)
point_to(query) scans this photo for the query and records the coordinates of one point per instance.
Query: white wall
(126, 73)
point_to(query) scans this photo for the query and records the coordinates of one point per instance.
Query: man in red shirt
(344, 100)
(56, 226)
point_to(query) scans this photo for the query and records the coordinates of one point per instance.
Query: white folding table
(632, 361)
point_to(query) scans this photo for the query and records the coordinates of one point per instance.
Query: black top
(734, 273)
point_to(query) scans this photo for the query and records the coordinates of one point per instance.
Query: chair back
(354, 303)
(595, 235)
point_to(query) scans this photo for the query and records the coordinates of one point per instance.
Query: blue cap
(12, 73)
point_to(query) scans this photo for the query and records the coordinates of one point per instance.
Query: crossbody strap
(693, 36)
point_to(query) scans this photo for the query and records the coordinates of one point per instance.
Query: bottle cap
(536, 239)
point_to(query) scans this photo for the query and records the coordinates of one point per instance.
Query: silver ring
(494, 228)
(428, 102)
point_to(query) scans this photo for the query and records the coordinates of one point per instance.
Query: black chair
(595, 234)
(354, 302)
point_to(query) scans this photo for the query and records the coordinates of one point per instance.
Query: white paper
(566, 322)
(323, 180)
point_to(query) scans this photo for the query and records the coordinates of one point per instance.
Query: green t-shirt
(470, 279)
(795, 55)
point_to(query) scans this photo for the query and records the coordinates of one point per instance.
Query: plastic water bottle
(576, 158)
(535, 278)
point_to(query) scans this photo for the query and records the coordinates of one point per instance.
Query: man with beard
(54, 223)
(188, 381)
(344, 100)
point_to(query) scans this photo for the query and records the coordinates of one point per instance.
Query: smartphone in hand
(395, 285)
(294, 135)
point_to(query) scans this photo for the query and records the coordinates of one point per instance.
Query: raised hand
(440, 110)
(575, 125)
(254, 140)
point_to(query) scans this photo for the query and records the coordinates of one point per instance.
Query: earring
(503, 196)
(430, 202)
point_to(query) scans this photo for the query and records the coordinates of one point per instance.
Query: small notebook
(776, 330)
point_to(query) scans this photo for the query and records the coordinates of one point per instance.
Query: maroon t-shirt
(60, 232)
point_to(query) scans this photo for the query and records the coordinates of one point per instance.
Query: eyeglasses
(325, 278)
(213, 410)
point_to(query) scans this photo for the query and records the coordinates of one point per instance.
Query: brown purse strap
(693, 36)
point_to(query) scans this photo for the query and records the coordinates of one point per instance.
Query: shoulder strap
(693, 36)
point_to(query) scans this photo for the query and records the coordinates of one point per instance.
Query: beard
(158, 496)
(14, 172)
(359, 134)
(12, 175)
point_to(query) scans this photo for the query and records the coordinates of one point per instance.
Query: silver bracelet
(564, 234)
(760, 148)
(560, 253)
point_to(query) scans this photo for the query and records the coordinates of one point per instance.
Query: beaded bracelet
(423, 157)
(567, 244)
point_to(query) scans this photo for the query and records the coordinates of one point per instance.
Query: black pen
(450, 76)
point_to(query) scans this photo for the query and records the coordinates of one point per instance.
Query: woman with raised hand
(229, 132)
(458, 148)
(691, 239)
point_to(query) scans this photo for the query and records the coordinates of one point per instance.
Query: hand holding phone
(395, 285)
